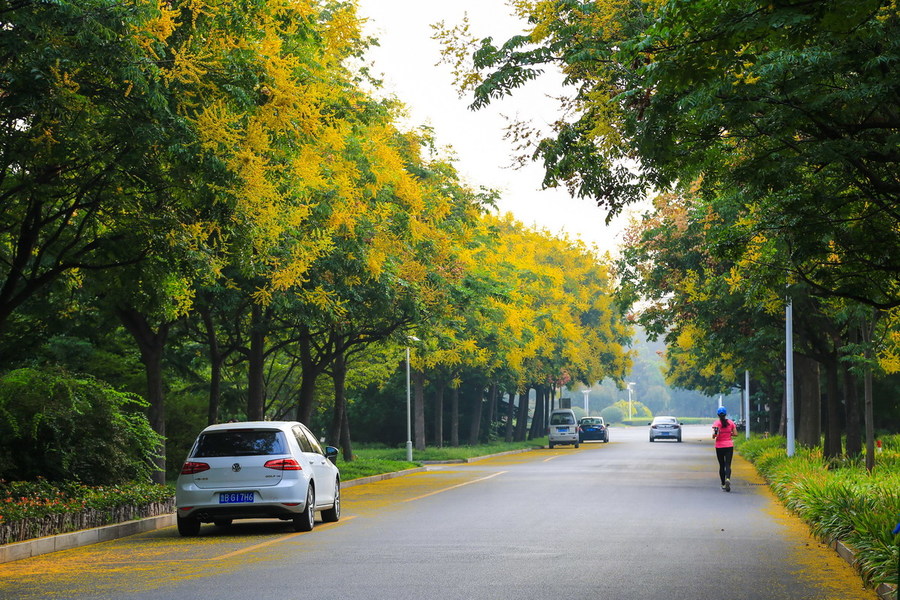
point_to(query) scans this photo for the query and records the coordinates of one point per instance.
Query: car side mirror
(331, 453)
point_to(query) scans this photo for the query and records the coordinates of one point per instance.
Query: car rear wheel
(188, 526)
(307, 519)
(550, 445)
(576, 444)
(331, 515)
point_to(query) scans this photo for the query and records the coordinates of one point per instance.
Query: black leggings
(724, 455)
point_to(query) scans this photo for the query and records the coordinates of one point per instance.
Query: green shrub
(63, 427)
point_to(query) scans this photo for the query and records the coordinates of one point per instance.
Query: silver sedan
(665, 428)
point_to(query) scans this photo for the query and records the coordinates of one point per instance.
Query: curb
(381, 477)
(75, 539)
(885, 591)
(86, 537)
(478, 458)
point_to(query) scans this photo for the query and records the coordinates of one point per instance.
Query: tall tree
(92, 148)
(790, 108)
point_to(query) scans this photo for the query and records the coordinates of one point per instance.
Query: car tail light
(283, 464)
(190, 468)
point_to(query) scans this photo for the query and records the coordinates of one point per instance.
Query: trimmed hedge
(31, 509)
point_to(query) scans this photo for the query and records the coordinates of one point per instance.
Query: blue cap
(721, 411)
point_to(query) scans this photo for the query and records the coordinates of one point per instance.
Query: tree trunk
(851, 402)
(310, 371)
(522, 418)
(809, 419)
(346, 446)
(339, 374)
(832, 414)
(510, 416)
(439, 414)
(216, 359)
(869, 419)
(454, 416)
(256, 387)
(151, 345)
(537, 420)
(782, 422)
(419, 408)
(492, 407)
(475, 423)
(868, 327)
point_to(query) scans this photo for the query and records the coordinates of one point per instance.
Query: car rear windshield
(243, 442)
(562, 419)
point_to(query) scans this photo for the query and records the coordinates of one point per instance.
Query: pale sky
(407, 57)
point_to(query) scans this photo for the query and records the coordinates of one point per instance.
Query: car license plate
(590, 429)
(235, 497)
(666, 433)
(562, 430)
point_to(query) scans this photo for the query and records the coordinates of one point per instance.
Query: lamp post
(409, 443)
(789, 375)
(747, 404)
(586, 393)
(630, 389)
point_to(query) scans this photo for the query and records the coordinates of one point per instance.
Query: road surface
(618, 521)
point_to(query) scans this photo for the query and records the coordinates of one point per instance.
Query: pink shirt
(725, 439)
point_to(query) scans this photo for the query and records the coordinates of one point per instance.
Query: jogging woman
(724, 431)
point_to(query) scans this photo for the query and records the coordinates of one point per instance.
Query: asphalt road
(618, 521)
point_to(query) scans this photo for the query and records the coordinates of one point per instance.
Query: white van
(563, 427)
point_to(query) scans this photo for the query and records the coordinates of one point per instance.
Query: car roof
(251, 425)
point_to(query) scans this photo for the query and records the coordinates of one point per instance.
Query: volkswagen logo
(236, 467)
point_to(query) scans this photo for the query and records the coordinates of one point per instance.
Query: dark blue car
(592, 428)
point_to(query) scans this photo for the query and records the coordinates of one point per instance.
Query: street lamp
(586, 393)
(631, 385)
(409, 443)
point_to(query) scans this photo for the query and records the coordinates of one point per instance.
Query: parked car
(563, 427)
(593, 428)
(257, 469)
(665, 428)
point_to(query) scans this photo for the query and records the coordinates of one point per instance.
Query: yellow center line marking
(552, 457)
(276, 540)
(453, 487)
